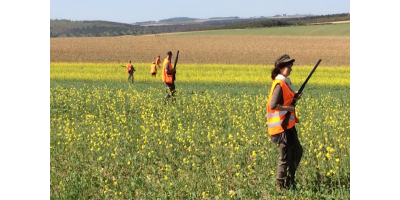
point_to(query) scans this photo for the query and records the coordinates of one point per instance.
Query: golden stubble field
(257, 50)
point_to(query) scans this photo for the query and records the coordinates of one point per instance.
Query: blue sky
(126, 11)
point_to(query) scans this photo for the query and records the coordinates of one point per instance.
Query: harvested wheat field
(216, 49)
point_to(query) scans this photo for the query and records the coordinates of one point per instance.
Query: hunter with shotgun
(169, 76)
(281, 118)
(130, 69)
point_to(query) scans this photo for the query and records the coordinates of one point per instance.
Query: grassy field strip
(337, 29)
(197, 73)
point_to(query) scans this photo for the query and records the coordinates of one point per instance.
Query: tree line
(69, 28)
(278, 22)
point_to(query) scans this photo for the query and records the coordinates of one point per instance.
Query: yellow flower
(129, 162)
(328, 156)
(337, 160)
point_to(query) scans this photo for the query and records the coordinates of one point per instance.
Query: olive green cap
(283, 59)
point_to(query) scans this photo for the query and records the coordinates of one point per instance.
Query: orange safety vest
(153, 68)
(167, 77)
(275, 117)
(128, 67)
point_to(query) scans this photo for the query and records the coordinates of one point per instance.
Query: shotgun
(176, 61)
(296, 96)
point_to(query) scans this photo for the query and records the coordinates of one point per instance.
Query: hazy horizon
(125, 11)
(189, 17)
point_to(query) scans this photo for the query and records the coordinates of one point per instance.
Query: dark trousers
(290, 151)
(170, 92)
(130, 76)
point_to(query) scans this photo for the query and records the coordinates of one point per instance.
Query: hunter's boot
(280, 186)
(290, 183)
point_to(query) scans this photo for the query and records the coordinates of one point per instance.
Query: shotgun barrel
(176, 61)
(296, 96)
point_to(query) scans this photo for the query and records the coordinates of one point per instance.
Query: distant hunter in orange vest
(153, 69)
(168, 73)
(130, 69)
(158, 61)
(280, 99)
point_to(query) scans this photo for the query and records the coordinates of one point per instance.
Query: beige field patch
(258, 50)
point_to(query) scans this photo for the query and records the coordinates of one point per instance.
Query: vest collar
(286, 80)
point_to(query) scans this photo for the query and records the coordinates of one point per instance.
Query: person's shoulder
(277, 87)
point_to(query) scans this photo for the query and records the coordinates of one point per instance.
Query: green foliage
(288, 21)
(177, 19)
(68, 28)
(342, 29)
(113, 140)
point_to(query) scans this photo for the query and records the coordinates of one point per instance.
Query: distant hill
(285, 21)
(224, 17)
(68, 28)
(177, 19)
(230, 21)
(216, 21)
(320, 29)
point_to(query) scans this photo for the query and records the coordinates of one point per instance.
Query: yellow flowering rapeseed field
(110, 139)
